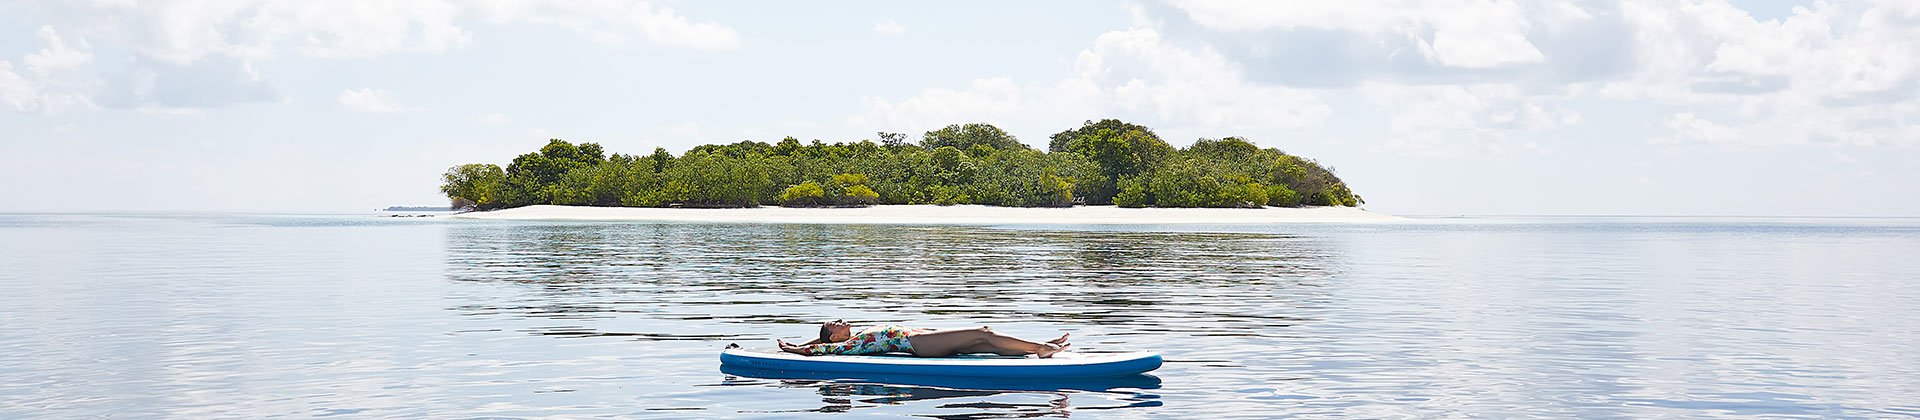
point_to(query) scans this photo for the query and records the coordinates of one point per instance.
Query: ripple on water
(250, 316)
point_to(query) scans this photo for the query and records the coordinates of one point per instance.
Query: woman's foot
(1062, 340)
(1051, 349)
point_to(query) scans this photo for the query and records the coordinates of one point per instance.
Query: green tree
(892, 140)
(1133, 193)
(474, 186)
(706, 179)
(1058, 142)
(860, 195)
(1231, 149)
(850, 189)
(1119, 154)
(1281, 196)
(660, 159)
(1200, 183)
(532, 177)
(966, 136)
(606, 184)
(805, 194)
(1108, 161)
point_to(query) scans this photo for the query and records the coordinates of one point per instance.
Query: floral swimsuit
(870, 340)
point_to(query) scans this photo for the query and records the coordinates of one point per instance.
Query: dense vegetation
(1103, 162)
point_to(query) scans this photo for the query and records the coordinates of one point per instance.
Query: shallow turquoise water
(224, 315)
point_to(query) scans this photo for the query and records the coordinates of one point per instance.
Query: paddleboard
(1091, 383)
(1062, 365)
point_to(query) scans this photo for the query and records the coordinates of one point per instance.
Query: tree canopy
(1101, 162)
(966, 136)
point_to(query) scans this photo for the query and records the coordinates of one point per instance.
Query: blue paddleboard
(1062, 365)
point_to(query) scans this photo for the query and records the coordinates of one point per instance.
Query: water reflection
(248, 316)
(1190, 282)
(1413, 321)
(847, 391)
(728, 283)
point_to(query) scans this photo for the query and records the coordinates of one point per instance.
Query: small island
(1101, 163)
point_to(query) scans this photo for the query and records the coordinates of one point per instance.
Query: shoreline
(926, 214)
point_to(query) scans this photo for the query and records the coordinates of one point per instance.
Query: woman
(838, 337)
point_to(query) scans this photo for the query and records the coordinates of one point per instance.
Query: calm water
(192, 315)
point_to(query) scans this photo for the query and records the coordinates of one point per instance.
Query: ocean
(200, 315)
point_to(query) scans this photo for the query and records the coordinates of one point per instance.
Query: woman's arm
(800, 349)
(817, 349)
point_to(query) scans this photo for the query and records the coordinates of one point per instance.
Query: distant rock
(418, 208)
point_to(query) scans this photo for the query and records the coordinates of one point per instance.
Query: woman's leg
(989, 348)
(978, 340)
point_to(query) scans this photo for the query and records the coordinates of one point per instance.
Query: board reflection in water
(688, 289)
(848, 391)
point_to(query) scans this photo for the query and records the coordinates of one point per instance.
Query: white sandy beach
(943, 215)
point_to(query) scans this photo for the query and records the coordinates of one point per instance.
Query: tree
(1227, 149)
(1058, 142)
(1196, 182)
(950, 167)
(1281, 196)
(860, 195)
(892, 140)
(474, 186)
(850, 189)
(660, 159)
(966, 136)
(1133, 193)
(1108, 161)
(1119, 154)
(805, 194)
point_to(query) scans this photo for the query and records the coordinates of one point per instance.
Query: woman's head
(835, 331)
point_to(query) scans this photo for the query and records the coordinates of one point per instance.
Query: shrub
(1253, 195)
(860, 195)
(1132, 194)
(947, 196)
(1281, 196)
(850, 179)
(806, 194)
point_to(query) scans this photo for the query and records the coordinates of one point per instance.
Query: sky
(1440, 107)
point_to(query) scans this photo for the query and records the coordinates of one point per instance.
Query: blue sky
(1425, 107)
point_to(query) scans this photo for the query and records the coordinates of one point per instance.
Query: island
(1103, 170)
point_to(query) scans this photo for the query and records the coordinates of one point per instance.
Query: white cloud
(1828, 73)
(1689, 127)
(373, 101)
(210, 82)
(889, 28)
(180, 32)
(1131, 74)
(1837, 73)
(1140, 74)
(208, 48)
(1463, 119)
(1480, 35)
(1489, 75)
(986, 100)
(49, 80)
(1455, 33)
(614, 21)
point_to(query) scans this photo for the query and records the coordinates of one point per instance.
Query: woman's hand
(790, 347)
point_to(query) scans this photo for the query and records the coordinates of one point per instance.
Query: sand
(943, 215)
